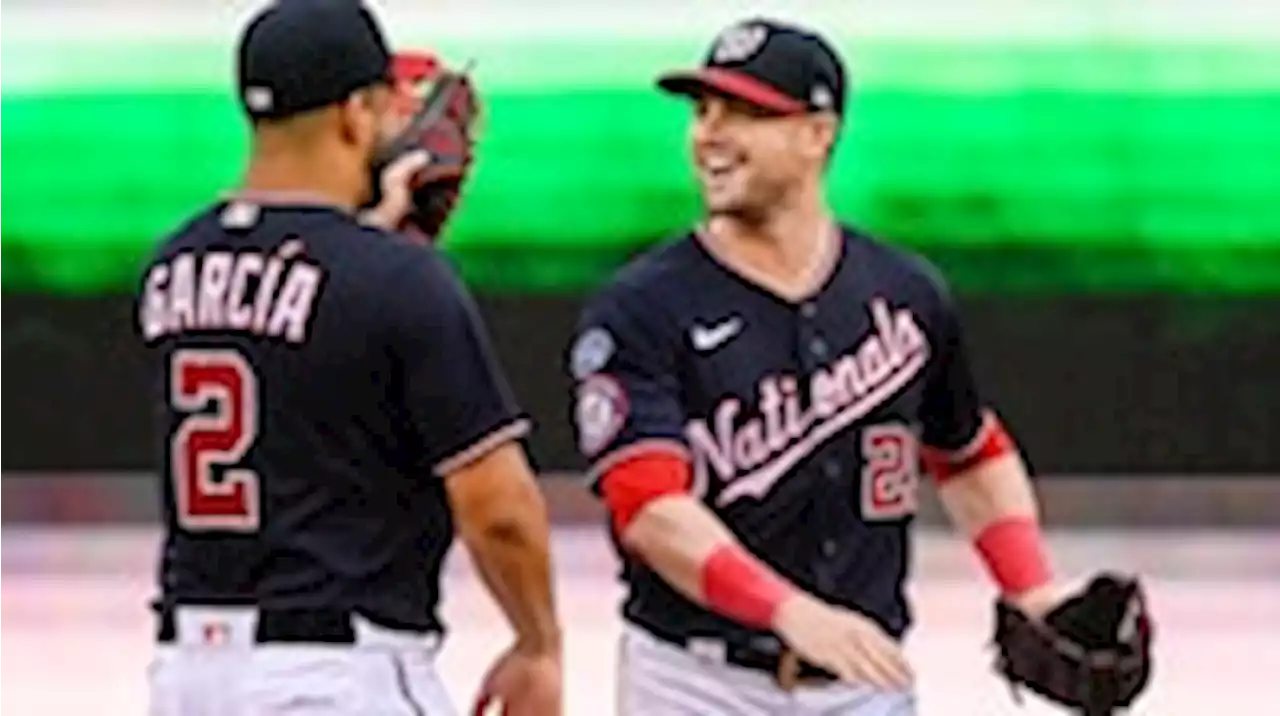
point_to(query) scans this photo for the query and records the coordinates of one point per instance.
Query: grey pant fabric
(660, 679)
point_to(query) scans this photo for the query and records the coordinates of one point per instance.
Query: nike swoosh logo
(706, 338)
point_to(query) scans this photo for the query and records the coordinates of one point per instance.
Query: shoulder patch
(591, 352)
(600, 413)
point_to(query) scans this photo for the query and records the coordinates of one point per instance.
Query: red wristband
(1013, 551)
(740, 587)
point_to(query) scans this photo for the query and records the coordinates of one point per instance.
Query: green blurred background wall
(1099, 180)
(1062, 145)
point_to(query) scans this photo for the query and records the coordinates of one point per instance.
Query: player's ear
(820, 135)
(348, 118)
(358, 118)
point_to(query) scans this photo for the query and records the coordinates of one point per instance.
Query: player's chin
(737, 210)
(720, 203)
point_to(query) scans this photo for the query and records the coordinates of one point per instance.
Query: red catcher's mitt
(440, 107)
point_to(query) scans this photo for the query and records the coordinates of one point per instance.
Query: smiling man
(757, 399)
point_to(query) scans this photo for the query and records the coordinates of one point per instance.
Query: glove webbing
(1097, 681)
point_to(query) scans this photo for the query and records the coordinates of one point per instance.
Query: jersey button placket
(831, 471)
(818, 347)
(811, 349)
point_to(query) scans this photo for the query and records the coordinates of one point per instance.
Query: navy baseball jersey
(803, 419)
(315, 378)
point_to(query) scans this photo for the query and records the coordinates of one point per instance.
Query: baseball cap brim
(694, 83)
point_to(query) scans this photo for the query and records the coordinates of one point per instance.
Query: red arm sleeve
(635, 482)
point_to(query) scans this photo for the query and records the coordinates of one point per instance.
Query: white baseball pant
(214, 668)
(661, 679)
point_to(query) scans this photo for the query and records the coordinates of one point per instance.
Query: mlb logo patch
(215, 633)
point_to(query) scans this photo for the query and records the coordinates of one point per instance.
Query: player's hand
(843, 642)
(397, 191)
(522, 684)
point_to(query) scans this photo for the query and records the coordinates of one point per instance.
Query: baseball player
(330, 414)
(757, 398)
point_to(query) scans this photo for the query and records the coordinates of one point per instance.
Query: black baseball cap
(778, 67)
(300, 55)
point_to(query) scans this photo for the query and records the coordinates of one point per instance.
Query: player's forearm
(501, 517)
(993, 503)
(990, 491)
(674, 535)
(510, 549)
(685, 543)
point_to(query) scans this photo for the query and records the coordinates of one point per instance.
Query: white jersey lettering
(269, 296)
(752, 457)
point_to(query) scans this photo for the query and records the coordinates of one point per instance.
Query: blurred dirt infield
(77, 633)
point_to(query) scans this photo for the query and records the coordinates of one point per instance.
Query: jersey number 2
(222, 386)
(890, 472)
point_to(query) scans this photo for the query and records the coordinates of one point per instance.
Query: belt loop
(788, 676)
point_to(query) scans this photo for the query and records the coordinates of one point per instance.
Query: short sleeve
(457, 398)
(627, 390)
(953, 412)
